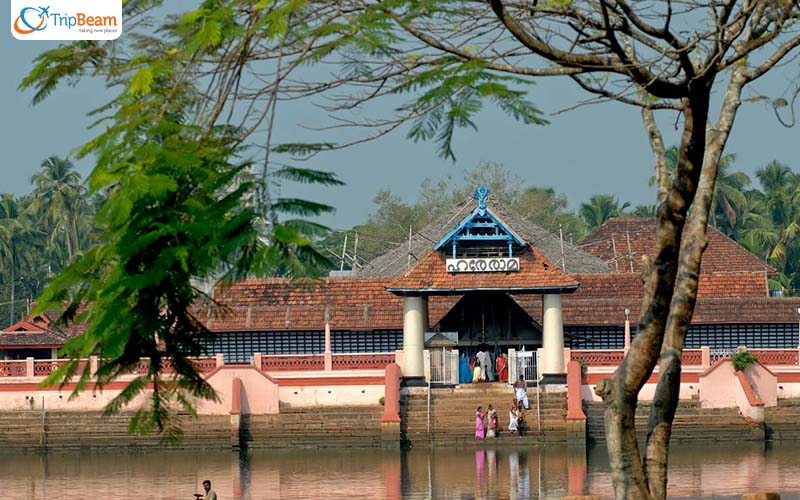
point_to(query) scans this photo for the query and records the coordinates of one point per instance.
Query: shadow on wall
(259, 391)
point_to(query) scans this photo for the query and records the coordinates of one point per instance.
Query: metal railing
(527, 366)
(443, 366)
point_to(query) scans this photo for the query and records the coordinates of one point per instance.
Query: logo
(27, 20)
(67, 20)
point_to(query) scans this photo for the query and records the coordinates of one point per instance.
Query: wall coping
(748, 390)
(216, 370)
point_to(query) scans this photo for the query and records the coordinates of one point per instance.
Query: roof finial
(481, 194)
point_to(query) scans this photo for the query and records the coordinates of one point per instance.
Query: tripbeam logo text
(67, 20)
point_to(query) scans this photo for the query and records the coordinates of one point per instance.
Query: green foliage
(388, 225)
(179, 205)
(23, 247)
(742, 360)
(599, 209)
(584, 368)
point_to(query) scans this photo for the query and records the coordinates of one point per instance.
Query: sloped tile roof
(622, 242)
(281, 304)
(629, 285)
(535, 273)
(32, 331)
(609, 311)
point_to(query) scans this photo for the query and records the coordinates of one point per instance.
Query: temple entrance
(494, 319)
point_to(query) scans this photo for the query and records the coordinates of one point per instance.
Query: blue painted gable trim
(480, 212)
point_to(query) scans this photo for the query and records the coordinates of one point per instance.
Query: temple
(481, 275)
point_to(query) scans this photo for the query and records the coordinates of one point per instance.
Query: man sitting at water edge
(210, 494)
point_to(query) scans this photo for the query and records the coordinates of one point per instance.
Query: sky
(592, 150)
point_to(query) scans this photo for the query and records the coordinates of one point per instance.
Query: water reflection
(480, 474)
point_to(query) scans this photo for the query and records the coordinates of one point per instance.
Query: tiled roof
(32, 331)
(395, 262)
(629, 285)
(535, 273)
(609, 311)
(281, 304)
(610, 243)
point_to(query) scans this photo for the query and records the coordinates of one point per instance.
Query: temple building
(483, 276)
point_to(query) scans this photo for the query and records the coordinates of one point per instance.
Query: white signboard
(66, 19)
(483, 265)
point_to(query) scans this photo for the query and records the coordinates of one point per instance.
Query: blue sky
(596, 149)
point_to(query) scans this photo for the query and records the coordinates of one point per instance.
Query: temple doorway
(495, 319)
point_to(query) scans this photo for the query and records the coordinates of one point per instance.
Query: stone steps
(334, 426)
(452, 415)
(691, 424)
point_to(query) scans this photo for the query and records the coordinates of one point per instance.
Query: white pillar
(627, 341)
(415, 317)
(552, 335)
(328, 355)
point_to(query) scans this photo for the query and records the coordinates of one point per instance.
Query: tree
(644, 211)
(388, 225)
(176, 209)
(451, 56)
(599, 209)
(18, 241)
(544, 207)
(730, 198)
(59, 200)
(771, 226)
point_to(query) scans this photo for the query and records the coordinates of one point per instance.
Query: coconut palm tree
(772, 226)
(644, 211)
(730, 198)
(600, 208)
(59, 200)
(18, 244)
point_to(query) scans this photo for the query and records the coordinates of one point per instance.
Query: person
(464, 370)
(491, 420)
(485, 361)
(210, 494)
(490, 374)
(512, 417)
(479, 431)
(521, 390)
(477, 374)
(520, 420)
(502, 367)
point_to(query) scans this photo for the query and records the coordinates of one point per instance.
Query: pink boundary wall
(720, 386)
(257, 392)
(260, 391)
(359, 379)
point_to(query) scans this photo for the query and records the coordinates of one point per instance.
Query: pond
(503, 473)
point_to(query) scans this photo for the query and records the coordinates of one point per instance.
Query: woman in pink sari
(479, 432)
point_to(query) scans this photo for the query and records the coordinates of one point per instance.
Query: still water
(507, 473)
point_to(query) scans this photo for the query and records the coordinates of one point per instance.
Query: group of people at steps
(482, 367)
(486, 423)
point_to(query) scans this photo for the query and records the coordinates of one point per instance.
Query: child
(520, 419)
(477, 373)
(512, 417)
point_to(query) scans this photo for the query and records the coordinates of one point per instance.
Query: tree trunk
(665, 399)
(620, 391)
